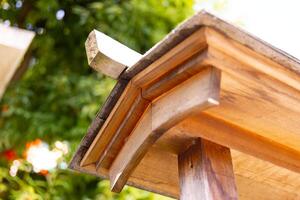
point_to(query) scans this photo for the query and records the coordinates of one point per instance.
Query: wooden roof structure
(14, 44)
(209, 100)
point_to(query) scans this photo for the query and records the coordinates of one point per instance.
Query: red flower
(10, 154)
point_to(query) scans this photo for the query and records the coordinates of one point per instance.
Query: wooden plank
(157, 172)
(235, 137)
(256, 101)
(123, 131)
(107, 55)
(194, 95)
(184, 50)
(268, 180)
(176, 76)
(206, 172)
(249, 57)
(255, 179)
(111, 124)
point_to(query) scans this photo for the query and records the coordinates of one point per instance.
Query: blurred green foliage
(58, 96)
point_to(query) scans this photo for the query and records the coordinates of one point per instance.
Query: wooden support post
(206, 172)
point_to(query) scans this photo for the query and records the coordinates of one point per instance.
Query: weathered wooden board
(107, 55)
(14, 43)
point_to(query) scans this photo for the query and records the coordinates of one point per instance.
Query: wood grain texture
(255, 179)
(176, 76)
(194, 95)
(256, 101)
(267, 180)
(247, 56)
(191, 96)
(111, 124)
(259, 111)
(206, 172)
(115, 144)
(184, 50)
(235, 137)
(107, 55)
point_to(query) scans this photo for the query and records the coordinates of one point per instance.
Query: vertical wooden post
(206, 172)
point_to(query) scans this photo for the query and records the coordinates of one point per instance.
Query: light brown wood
(107, 55)
(267, 180)
(191, 96)
(194, 95)
(94, 153)
(111, 124)
(176, 76)
(247, 56)
(255, 179)
(180, 74)
(257, 102)
(206, 172)
(259, 114)
(184, 50)
(14, 43)
(165, 179)
(235, 137)
(132, 116)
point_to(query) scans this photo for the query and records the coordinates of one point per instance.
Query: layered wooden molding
(188, 98)
(163, 108)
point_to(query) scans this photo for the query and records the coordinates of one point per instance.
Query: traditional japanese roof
(259, 105)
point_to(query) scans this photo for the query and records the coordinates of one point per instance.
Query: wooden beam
(206, 172)
(194, 95)
(176, 76)
(109, 56)
(234, 137)
(132, 117)
(176, 56)
(130, 95)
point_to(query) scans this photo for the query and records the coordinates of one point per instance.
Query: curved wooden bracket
(192, 96)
